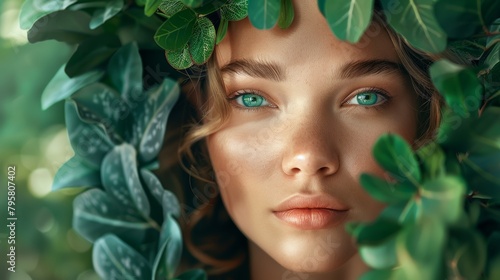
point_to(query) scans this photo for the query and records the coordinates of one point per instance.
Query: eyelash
(378, 91)
(232, 99)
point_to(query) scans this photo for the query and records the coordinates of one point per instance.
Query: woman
(289, 121)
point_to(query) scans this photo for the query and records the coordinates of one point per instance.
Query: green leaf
(321, 6)
(151, 6)
(459, 18)
(171, 7)
(234, 10)
(349, 19)
(120, 179)
(442, 199)
(179, 59)
(169, 250)
(286, 14)
(193, 274)
(371, 254)
(459, 86)
(466, 253)
(263, 14)
(193, 3)
(100, 16)
(210, 6)
(114, 259)
(165, 198)
(385, 191)
(382, 274)
(66, 26)
(125, 71)
(151, 119)
(96, 213)
(92, 53)
(471, 49)
(76, 173)
(202, 43)
(433, 159)
(176, 31)
(61, 86)
(417, 24)
(482, 173)
(89, 141)
(492, 60)
(33, 10)
(222, 30)
(395, 155)
(375, 232)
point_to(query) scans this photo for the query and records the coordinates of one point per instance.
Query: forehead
(307, 41)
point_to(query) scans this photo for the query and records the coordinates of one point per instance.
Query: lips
(311, 212)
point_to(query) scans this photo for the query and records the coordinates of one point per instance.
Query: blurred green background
(36, 142)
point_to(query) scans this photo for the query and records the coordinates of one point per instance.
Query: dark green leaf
(222, 30)
(120, 179)
(321, 6)
(210, 6)
(416, 23)
(263, 14)
(385, 191)
(165, 198)
(482, 173)
(193, 3)
(466, 253)
(89, 141)
(114, 259)
(65, 26)
(151, 6)
(286, 14)
(492, 61)
(490, 10)
(374, 232)
(76, 173)
(202, 43)
(459, 18)
(96, 213)
(151, 23)
(171, 7)
(33, 10)
(395, 155)
(442, 199)
(125, 71)
(175, 32)
(349, 19)
(234, 10)
(194, 274)
(169, 249)
(100, 16)
(61, 86)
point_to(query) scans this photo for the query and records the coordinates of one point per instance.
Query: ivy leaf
(120, 179)
(164, 197)
(169, 250)
(385, 191)
(61, 86)
(151, 6)
(460, 19)
(89, 141)
(180, 59)
(234, 10)
(396, 156)
(171, 7)
(176, 31)
(76, 173)
(114, 259)
(417, 23)
(193, 274)
(442, 199)
(92, 53)
(263, 14)
(201, 44)
(349, 19)
(33, 10)
(100, 16)
(459, 86)
(222, 30)
(96, 213)
(66, 26)
(286, 14)
(125, 72)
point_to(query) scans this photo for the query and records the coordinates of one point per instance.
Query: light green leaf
(385, 191)
(100, 16)
(151, 6)
(234, 10)
(202, 43)
(459, 86)
(76, 173)
(114, 259)
(165, 198)
(287, 14)
(125, 71)
(222, 30)
(61, 86)
(417, 23)
(180, 59)
(33, 10)
(442, 199)
(263, 14)
(169, 250)
(171, 7)
(349, 19)
(176, 31)
(371, 254)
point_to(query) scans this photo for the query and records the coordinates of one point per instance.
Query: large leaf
(120, 178)
(175, 32)
(417, 23)
(114, 259)
(76, 173)
(61, 86)
(89, 141)
(201, 44)
(100, 16)
(234, 10)
(349, 19)
(125, 71)
(459, 86)
(96, 213)
(385, 191)
(459, 18)
(34, 10)
(263, 14)
(165, 198)
(65, 26)
(169, 250)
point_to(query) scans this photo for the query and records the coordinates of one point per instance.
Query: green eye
(251, 100)
(367, 99)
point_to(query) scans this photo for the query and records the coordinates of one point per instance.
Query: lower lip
(311, 218)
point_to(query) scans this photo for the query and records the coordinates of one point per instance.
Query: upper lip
(318, 201)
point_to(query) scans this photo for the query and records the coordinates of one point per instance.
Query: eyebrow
(369, 67)
(255, 68)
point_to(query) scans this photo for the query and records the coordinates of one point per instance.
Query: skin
(309, 138)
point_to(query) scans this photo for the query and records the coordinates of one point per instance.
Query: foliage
(442, 216)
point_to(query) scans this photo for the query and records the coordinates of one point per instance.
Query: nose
(310, 150)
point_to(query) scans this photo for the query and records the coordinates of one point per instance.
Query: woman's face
(306, 110)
